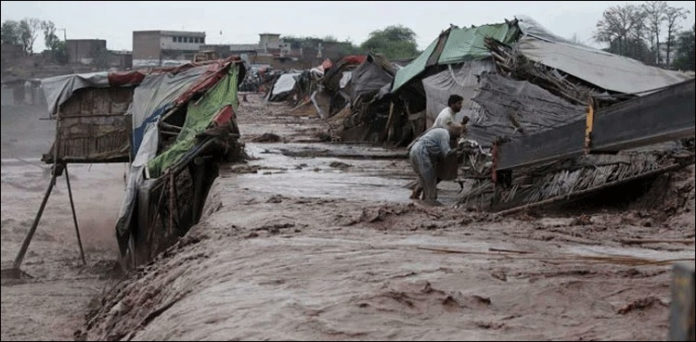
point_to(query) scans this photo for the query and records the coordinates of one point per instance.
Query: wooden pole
(389, 120)
(74, 215)
(30, 234)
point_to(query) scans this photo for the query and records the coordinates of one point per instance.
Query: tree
(347, 48)
(10, 32)
(655, 15)
(55, 46)
(623, 27)
(28, 30)
(49, 31)
(395, 42)
(672, 16)
(686, 52)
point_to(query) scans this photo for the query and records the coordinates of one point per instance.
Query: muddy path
(52, 304)
(300, 246)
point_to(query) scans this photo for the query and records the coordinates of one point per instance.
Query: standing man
(446, 116)
(425, 155)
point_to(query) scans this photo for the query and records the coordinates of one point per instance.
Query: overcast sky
(240, 22)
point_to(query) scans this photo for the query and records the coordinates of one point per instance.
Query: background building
(85, 51)
(156, 47)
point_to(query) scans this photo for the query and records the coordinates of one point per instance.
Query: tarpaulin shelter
(334, 89)
(176, 115)
(455, 45)
(293, 86)
(519, 81)
(461, 59)
(369, 107)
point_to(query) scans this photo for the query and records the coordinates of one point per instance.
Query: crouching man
(427, 153)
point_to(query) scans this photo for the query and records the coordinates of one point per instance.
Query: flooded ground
(327, 248)
(52, 304)
(313, 240)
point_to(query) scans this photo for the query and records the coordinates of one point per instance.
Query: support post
(30, 234)
(589, 125)
(74, 215)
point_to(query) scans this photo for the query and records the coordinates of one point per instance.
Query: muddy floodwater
(311, 239)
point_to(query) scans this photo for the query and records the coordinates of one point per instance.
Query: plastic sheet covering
(467, 43)
(345, 79)
(462, 44)
(414, 68)
(370, 77)
(517, 108)
(199, 117)
(152, 98)
(285, 83)
(155, 96)
(462, 80)
(59, 89)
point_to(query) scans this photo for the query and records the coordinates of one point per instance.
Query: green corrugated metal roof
(462, 44)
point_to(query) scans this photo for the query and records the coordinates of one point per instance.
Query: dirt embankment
(282, 254)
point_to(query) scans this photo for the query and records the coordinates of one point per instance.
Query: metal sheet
(663, 116)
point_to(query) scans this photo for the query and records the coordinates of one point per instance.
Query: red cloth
(215, 72)
(117, 79)
(354, 59)
(223, 116)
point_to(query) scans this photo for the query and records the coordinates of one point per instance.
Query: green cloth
(462, 44)
(199, 116)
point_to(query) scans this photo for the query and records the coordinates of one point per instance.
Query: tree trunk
(669, 46)
(657, 52)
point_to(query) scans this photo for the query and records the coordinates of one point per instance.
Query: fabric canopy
(199, 116)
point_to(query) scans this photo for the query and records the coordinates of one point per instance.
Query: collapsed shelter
(173, 125)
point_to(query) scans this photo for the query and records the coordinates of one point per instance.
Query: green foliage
(49, 31)
(28, 30)
(60, 52)
(686, 52)
(10, 32)
(395, 42)
(630, 29)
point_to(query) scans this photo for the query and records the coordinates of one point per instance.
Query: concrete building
(84, 51)
(270, 42)
(121, 60)
(153, 47)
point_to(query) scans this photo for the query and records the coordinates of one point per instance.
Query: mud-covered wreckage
(520, 81)
(174, 125)
(549, 119)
